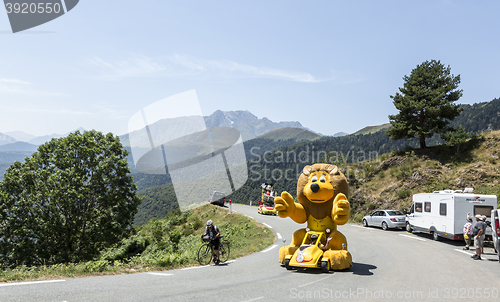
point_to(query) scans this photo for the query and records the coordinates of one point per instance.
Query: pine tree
(425, 103)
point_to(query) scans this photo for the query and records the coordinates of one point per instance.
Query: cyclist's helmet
(209, 223)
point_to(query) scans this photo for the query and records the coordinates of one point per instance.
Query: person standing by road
(468, 232)
(213, 233)
(479, 230)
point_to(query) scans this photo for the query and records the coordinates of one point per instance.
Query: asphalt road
(388, 266)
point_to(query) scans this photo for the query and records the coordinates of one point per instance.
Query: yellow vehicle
(266, 203)
(310, 253)
(263, 209)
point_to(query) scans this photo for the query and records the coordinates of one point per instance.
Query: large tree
(66, 202)
(425, 102)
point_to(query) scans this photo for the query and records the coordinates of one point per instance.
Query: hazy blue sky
(331, 65)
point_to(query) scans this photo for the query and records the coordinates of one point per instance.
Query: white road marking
(160, 274)
(249, 216)
(462, 251)
(269, 248)
(470, 254)
(32, 282)
(412, 237)
(195, 267)
(279, 235)
(254, 299)
(358, 226)
(267, 225)
(315, 281)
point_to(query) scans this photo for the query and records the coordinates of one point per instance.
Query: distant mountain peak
(6, 139)
(20, 135)
(249, 125)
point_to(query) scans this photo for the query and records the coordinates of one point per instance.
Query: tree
(425, 103)
(456, 138)
(66, 202)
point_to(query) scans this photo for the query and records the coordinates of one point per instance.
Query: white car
(386, 219)
(495, 234)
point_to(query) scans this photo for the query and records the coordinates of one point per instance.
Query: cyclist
(213, 233)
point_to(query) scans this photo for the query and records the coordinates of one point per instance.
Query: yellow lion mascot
(322, 192)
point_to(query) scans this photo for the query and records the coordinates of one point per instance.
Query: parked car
(495, 225)
(386, 219)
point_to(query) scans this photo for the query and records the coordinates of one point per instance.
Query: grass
(161, 244)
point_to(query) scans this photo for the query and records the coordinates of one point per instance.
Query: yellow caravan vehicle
(266, 204)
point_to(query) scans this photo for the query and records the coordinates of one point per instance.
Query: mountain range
(245, 122)
(20, 136)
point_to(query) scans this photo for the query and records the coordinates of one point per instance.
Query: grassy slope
(160, 244)
(390, 182)
(290, 133)
(372, 129)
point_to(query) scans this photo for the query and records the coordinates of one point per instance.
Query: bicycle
(206, 253)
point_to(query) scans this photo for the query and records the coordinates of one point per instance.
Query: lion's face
(318, 185)
(318, 188)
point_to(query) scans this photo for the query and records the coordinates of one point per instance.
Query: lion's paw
(339, 260)
(286, 250)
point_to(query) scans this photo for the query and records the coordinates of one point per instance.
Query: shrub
(403, 193)
(358, 217)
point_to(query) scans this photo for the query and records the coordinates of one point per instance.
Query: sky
(331, 65)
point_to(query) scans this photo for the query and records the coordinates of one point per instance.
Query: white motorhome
(444, 213)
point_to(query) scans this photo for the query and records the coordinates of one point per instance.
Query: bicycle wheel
(224, 252)
(205, 254)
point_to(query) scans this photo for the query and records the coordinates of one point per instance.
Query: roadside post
(230, 210)
(250, 201)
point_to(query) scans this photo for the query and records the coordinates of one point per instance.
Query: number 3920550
(33, 8)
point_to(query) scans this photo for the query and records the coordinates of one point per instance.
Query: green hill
(394, 178)
(372, 129)
(287, 133)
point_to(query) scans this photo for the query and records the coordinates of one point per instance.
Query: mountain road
(387, 265)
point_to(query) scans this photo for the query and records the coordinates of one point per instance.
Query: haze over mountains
(248, 124)
(20, 136)
(245, 122)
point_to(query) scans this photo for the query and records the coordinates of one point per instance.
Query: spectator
(479, 232)
(468, 232)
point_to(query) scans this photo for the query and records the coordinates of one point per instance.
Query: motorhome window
(483, 210)
(418, 207)
(427, 206)
(442, 209)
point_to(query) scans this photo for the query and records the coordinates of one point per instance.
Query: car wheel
(287, 264)
(435, 236)
(384, 226)
(325, 266)
(408, 227)
(365, 223)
